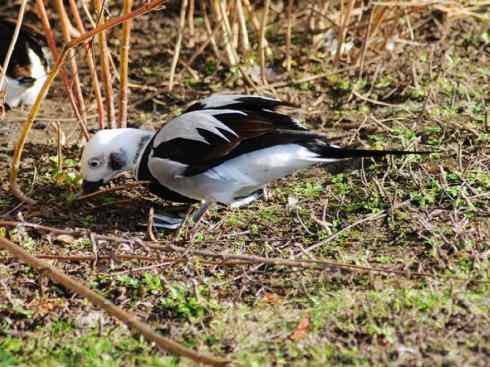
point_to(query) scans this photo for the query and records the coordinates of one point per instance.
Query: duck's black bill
(89, 187)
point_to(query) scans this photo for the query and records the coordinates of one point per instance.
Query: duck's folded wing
(240, 102)
(203, 139)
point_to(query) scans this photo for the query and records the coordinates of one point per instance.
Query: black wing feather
(248, 103)
(254, 130)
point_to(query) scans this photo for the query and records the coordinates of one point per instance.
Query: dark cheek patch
(117, 160)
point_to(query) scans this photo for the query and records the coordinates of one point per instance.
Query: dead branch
(89, 258)
(112, 189)
(233, 259)
(127, 318)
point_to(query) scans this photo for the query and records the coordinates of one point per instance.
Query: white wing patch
(186, 126)
(220, 100)
(38, 70)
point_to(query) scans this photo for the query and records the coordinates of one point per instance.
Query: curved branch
(47, 84)
(126, 317)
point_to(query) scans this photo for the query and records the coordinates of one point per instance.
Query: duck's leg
(247, 199)
(197, 216)
(166, 220)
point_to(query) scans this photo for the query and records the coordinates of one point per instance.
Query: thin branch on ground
(112, 189)
(233, 259)
(127, 318)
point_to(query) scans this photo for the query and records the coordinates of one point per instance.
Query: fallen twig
(81, 258)
(233, 259)
(126, 317)
(112, 189)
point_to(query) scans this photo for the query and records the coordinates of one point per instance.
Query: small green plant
(180, 303)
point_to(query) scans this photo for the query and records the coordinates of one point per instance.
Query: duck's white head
(110, 152)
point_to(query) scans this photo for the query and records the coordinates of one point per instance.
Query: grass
(252, 314)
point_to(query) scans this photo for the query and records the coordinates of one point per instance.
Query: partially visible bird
(223, 149)
(28, 67)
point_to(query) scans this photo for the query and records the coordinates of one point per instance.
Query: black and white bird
(28, 67)
(223, 149)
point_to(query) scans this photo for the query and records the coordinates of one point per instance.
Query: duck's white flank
(237, 177)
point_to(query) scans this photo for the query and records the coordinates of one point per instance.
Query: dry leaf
(42, 306)
(301, 330)
(66, 238)
(272, 298)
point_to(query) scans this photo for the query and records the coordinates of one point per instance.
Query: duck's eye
(94, 163)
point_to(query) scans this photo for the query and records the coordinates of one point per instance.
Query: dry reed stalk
(245, 43)
(365, 41)
(234, 25)
(231, 35)
(105, 67)
(320, 23)
(178, 44)
(222, 20)
(91, 65)
(54, 50)
(88, 15)
(311, 17)
(391, 27)
(345, 15)
(379, 17)
(65, 30)
(190, 21)
(288, 35)
(262, 41)
(256, 24)
(123, 71)
(13, 41)
(211, 33)
(47, 84)
(125, 317)
(203, 46)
